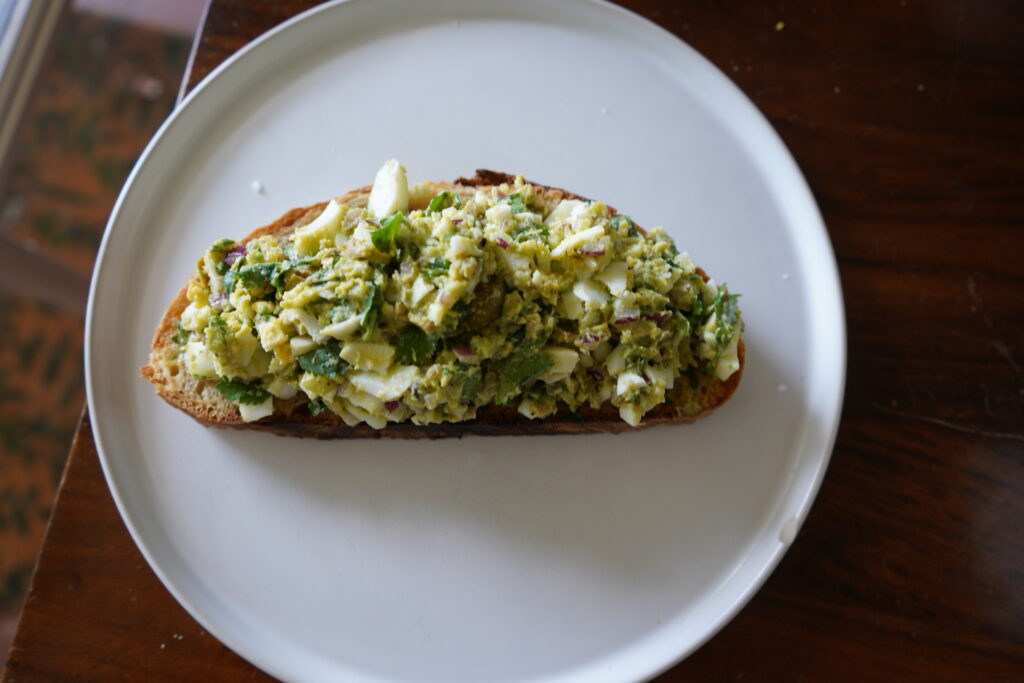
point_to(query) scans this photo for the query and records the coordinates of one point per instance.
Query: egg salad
(484, 296)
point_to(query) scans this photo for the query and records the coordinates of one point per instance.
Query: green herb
(635, 358)
(537, 231)
(384, 237)
(181, 336)
(325, 361)
(725, 306)
(277, 279)
(229, 282)
(343, 310)
(727, 315)
(616, 221)
(461, 310)
(216, 334)
(371, 311)
(443, 200)
(285, 267)
(408, 249)
(515, 202)
(257, 275)
(472, 380)
(518, 370)
(317, 406)
(518, 335)
(698, 308)
(222, 247)
(237, 391)
(324, 275)
(686, 327)
(414, 347)
(437, 266)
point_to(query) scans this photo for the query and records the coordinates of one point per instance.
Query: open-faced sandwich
(485, 306)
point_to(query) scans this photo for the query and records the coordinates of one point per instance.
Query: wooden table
(907, 119)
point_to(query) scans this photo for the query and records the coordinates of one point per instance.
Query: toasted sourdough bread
(202, 400)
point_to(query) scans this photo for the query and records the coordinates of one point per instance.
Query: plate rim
(797, 181)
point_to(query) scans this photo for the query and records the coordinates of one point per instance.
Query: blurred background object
(25, 28)
(83, 86)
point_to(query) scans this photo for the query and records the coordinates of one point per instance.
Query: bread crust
(201, 400)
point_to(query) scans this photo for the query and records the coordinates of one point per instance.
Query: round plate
(500, 559)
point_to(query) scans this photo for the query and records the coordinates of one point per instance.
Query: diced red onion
(392, 406)
(626, 313)
(590, 339)
(501, 194)
(661, 317)
(234, 254)
(456, 221)
(218, 299)
(464, 353)
(592, 249)
(595, 374)
(502, 243)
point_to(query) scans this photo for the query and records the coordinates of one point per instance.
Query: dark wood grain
(96, 611)
(908, 121)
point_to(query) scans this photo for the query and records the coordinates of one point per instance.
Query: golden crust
(201, 399)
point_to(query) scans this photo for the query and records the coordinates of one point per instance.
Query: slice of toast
(203, 401)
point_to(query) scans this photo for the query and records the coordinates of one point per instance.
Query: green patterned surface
(102, 91)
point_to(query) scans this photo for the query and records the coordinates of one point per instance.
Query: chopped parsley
(727, 316)
(384, 237)
(317, 406)
(237, 391)
(472, 380)
(537, 231)
(518, 370)
(222, 247)
(257, 275)
(697, 316)
(181, 336)
(325, 361)
(437, 266)
(217, 324)
(414, 347)
(443, 200)
(371, 311)
(617, 221)
(285, 267)
(515, 202)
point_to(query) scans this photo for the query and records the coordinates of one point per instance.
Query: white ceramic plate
(498, 559)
